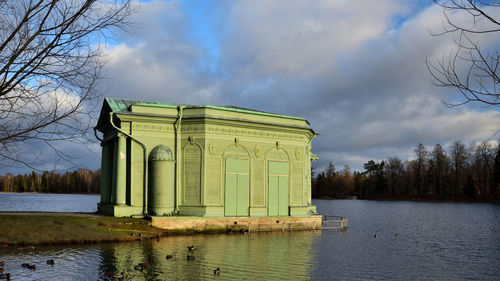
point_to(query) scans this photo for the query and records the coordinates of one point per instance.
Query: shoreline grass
(40, 229)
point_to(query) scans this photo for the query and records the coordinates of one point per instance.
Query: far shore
(34, 192)
(401, 199)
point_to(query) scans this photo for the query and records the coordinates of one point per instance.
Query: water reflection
(436, 241)
(70, 263)
(250, 257)
(263, 256)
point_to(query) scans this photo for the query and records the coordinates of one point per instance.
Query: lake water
(435, 241)
(48, 202)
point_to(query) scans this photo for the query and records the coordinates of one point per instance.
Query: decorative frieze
(223, 130)
(152, 127)
(220, 130)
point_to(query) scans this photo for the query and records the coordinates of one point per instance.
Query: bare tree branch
(50, 66)
(470, 69)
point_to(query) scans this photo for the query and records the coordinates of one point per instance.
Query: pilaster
(120, 170)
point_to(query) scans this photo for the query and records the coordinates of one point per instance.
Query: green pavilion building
(164, 159)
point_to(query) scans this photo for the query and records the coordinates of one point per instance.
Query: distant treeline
(459, 173)
(81, 181)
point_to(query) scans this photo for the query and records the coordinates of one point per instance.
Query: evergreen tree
(321, 185)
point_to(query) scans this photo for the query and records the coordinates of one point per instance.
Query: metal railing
(327, 222)
(334, 222)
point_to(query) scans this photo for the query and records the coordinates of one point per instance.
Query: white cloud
(158, 61)
(357, 77)
(354, 69)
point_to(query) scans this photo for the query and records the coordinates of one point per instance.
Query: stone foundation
(250, 224)
(119, 210)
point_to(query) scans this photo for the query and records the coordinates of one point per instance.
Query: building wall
(205, 145)
(259, 146)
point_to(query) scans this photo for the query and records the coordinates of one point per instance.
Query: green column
(161, 181)
(106, 173)
(120, 170)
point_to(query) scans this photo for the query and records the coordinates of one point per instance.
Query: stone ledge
(251, 224)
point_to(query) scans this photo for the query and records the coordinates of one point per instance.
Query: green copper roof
(120, 105)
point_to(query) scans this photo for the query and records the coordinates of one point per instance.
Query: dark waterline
(435, 241)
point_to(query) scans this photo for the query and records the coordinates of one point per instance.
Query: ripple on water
(70, 263)
(236, 255)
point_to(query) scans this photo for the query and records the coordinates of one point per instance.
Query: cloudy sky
(354, 69)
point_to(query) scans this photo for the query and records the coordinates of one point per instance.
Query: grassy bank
(27, 230)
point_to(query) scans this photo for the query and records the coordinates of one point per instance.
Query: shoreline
(74, 228)
(405, 199)
(55, 229)
(35, 192)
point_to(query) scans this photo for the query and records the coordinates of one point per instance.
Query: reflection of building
(230, 161)
(271, 256)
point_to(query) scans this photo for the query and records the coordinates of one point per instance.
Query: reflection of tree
(269, 256)
(108, 261)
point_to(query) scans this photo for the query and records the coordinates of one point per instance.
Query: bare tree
(394, 170)
(420, 163)
(483, 161)
(471, 69)
(459, 156)
(50, 65)
(440, 165)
